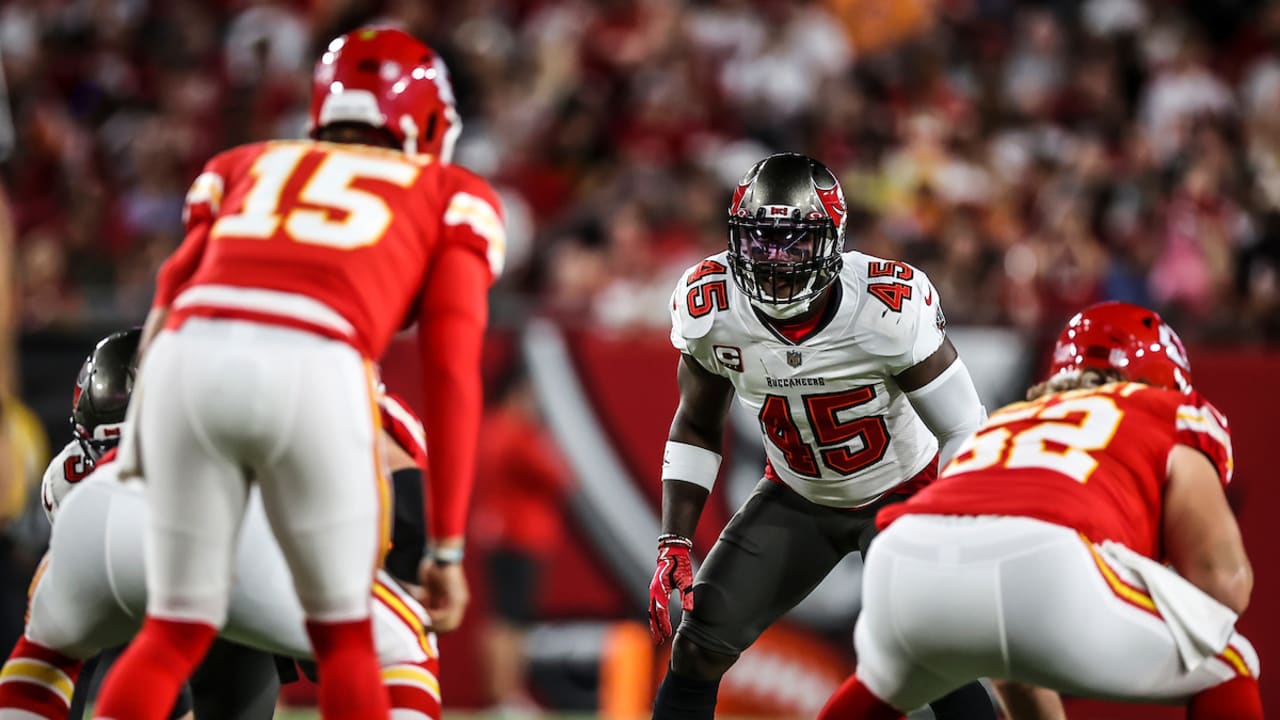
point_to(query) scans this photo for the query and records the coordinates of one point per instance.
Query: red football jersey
(352, 226)
(399, 420)
(353, 242)
(1095, 460)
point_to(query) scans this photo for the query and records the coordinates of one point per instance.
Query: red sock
(38, 680)
(853, 701)
(350, 679)
(1236, 699)
(414, 687)
(144, 683)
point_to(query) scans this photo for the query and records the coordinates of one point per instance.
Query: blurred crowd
(1031, 157)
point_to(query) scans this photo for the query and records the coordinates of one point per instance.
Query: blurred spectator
(645, 267)
(24, 451)
(874, 25)
(27, 453)
(521, 485)
(266, 40)
(1029, 155)
(1035, 72)
(1203, 228)
(1182, 91)
(10, 576)
(8, 306)
(47, 294)
(797, 47)
(9, 475)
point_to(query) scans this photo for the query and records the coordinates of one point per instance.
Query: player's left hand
(444, 594)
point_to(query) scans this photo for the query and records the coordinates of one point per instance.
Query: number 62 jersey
(836, 427)
(1094, 460)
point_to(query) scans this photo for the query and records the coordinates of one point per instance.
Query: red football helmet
(1129, 339)
(385, 78)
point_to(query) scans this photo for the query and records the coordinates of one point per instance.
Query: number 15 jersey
(836, 427)
(354, 243)
(354, 229)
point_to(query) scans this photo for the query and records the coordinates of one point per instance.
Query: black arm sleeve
(409, 526)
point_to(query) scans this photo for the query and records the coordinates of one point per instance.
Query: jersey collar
(808, 328)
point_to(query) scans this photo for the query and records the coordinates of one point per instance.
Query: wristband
(674, 539)
(690, 463)
(446, 555)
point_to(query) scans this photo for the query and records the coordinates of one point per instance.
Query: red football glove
(675, 572)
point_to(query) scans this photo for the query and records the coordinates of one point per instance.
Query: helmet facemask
(786, 233)
(783, 262)
(97, 442)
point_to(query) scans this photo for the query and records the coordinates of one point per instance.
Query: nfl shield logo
(793, 358)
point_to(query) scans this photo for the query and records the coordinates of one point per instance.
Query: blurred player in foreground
(844, 359)
(1038, 556)
(99, 400)
(90, 592)
(301, 260)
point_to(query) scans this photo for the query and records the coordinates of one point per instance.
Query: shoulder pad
(241, 157)
(63, 473)
(70, 454)
(204, 197)
(473, 208)
(1202, 426)
(457, 179)
(901, 307)
(701, 293)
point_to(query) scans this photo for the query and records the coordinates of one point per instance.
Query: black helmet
(102, 391)
(786, 230)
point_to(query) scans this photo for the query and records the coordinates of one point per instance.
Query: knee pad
(692, 660)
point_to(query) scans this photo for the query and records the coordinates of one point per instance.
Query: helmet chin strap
(788, 310)
(410, 130)
(1183, 384)
(783, 311)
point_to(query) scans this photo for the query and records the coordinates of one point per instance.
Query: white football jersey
(836, 427)
(67, 468)
(70, 466)
(93, 591)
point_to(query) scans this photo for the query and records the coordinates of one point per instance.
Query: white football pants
(950, 599)
(223, 403)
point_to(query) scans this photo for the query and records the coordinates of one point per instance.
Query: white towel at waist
(1201, 626)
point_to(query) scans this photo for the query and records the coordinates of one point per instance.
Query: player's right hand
(444, 594)
(675, 572)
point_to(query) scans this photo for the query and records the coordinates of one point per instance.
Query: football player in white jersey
(98, 404)
(100, 398)
(844, 359)
(90, 592)
(236, 680)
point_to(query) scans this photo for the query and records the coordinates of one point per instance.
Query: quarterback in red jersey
(1049, 533)
(301, 260)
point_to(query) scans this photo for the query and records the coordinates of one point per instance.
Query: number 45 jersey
(334, 238)
(1095, 460)
(836, 427)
